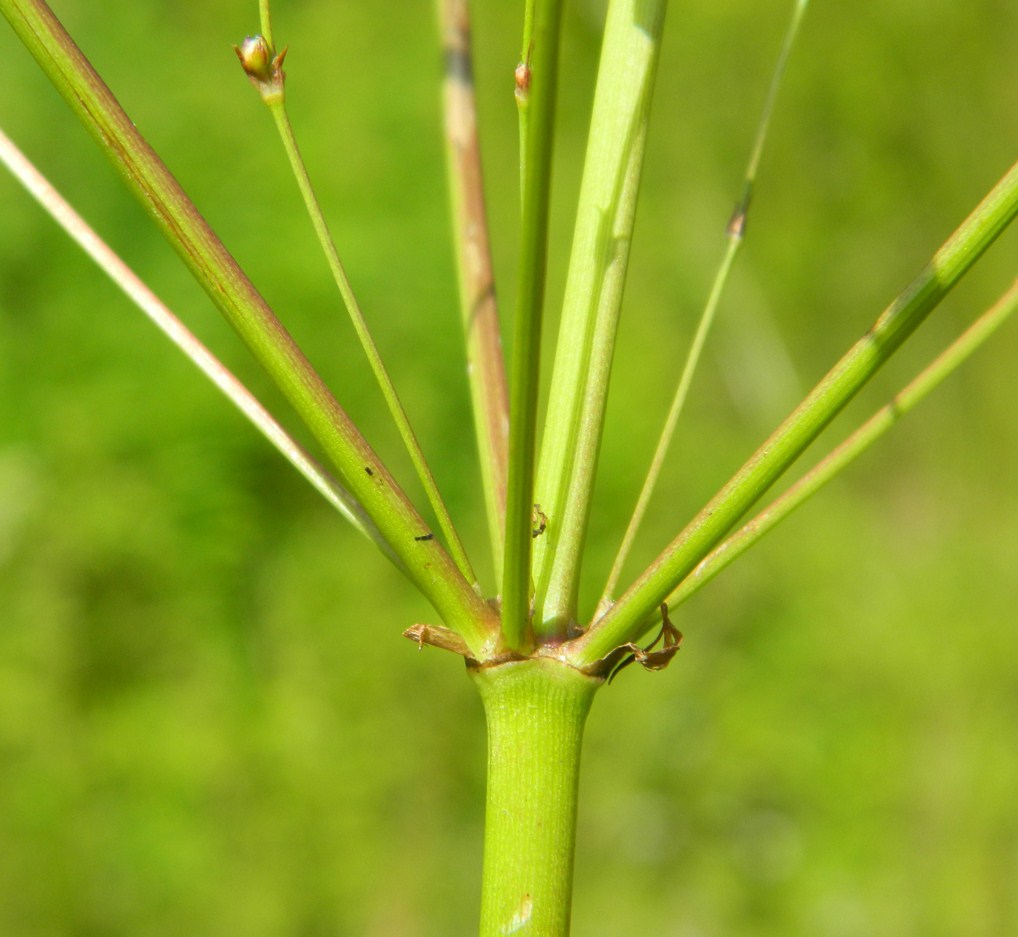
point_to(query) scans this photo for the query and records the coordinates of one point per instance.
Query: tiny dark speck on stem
(424, 537)
(368, 470)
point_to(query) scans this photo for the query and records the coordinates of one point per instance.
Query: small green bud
(262, 65)
(256, 58)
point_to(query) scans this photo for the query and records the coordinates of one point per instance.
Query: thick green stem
(536, 710)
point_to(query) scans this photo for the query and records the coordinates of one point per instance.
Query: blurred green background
(209, 723)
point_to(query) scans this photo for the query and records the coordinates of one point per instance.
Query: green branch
(624, 622)
(427, 564)
(265, 69)
(536, 81)
(593, 297)
(175, 330)
(851, 448)
(734, 235)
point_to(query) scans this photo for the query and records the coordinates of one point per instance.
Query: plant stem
(189, 344)
(536, 81)
(485, 362)
(593, 296)
(276, 104)
(734, 235)
(851, 448)
(361, 470)
(535, 711)
(265, 19)
(626, 620)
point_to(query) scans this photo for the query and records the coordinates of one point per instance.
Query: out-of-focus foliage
(208, 721)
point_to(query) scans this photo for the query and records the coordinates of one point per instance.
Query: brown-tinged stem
(485, 361)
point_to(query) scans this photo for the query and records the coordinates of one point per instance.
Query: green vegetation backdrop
(209, 723)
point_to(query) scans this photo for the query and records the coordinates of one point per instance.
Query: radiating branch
(851, 448)
(624, 621)
(264, 66)
(485, 361)
(536, 87)
(593, 298)
(360, 469)
(175, 330)
(734, 236)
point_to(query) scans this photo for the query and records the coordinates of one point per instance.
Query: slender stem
(851, 448)
(485, 362)
(524, 74)
(536, 81)
(535, 711)
(625, 621)
(593, 296)
(188, 343)
(772, 96)
(361, 470)
(277, 106)
(265, 18)
(734, 234)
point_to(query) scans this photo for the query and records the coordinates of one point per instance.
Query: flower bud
(256, 58)
(263, 67)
